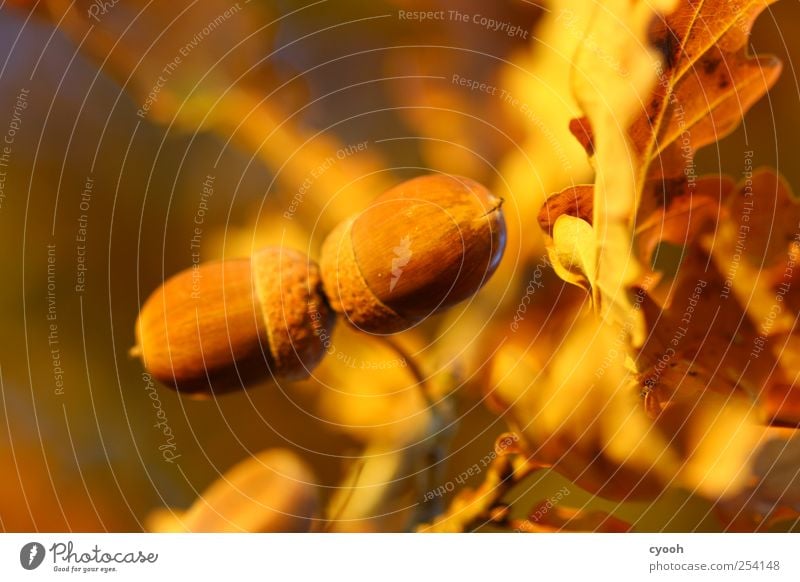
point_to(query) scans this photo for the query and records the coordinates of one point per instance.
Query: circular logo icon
(31, 555)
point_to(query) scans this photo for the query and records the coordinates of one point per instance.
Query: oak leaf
(646, 113)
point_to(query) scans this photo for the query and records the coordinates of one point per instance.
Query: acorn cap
(419, 248)
(348, 291)
(224, 325)
(294, 308)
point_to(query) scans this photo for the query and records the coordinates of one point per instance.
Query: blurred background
(114, 114)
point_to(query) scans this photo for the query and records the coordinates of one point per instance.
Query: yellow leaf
(610, 81)
(662, 80)
(572, 253)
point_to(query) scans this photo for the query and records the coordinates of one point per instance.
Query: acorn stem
(331, 521)
(428, 480)
(413, 368)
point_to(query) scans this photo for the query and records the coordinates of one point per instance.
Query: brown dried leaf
(706, 339)
(578, 413)
(573, 201)
(685, 218)
(702, 85)
(766, 207)
(545, 517)
(708, 80)
(775, 469)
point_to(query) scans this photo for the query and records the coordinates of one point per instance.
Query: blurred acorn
(224, 325)
(273, 491)
(419, 248)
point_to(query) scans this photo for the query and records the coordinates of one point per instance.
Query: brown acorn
(419, 248)
(224, 325)
(273, 491)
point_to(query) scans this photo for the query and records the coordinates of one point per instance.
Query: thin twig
(341, 509)
(471, 508)
(413, 368)
(440, 408)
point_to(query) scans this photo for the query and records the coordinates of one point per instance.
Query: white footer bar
(400, 557)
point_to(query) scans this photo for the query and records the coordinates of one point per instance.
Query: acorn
(418, 249)
(273, 491)
(225, 325)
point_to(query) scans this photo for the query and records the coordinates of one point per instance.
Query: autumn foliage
(622, 356)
